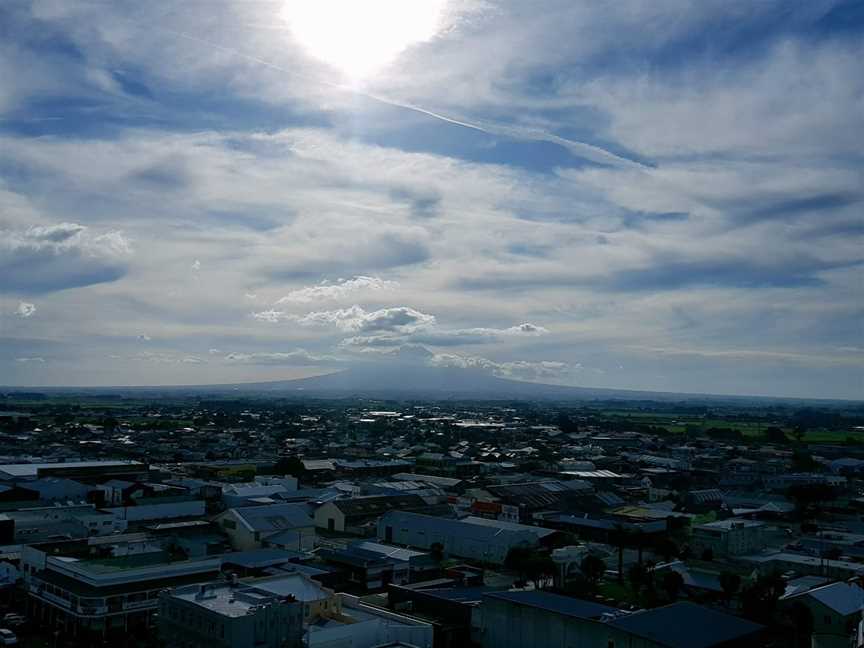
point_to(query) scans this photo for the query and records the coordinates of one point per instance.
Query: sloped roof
(686, 625)
(274, 517)
(564, 605)
(376, 505)
(843, 598)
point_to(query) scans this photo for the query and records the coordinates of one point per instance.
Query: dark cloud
(55, 257)
(424, 204)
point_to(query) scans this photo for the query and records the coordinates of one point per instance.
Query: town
(183, 521)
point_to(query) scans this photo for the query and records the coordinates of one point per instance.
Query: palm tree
(731, 583)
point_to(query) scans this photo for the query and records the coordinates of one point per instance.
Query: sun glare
(360, 37)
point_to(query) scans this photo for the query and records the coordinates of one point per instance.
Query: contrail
(580, 149)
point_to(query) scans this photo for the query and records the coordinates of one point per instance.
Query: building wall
(184, 624)
(507, 625)
(326, 512)
(194, 508)
(454, 543)
(728, 542)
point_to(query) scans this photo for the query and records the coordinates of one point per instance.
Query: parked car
(8, 638)
(13, 619)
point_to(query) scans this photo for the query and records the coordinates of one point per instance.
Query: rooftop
(564, 605)
(686, 625)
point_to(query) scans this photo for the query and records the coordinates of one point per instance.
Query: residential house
(350, 515)
(836, 611)
(283, 525)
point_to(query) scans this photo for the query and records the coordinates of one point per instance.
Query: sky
(663, 195)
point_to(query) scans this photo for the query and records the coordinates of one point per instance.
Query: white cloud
(25, 309)
(340, 289)
(295, 357)
(44, 258)
(356, 319)
(520, 369)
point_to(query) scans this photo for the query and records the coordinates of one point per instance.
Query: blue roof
(843, 598)
(565, 605)
(258, 557)
(686, 625)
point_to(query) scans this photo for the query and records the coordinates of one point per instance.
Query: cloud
(338, 290)
(437, 336)
(356, 319)
(161, 357)
(520, 369)
(30, 360)
(25, 309)
(296, 357)
(54, 257)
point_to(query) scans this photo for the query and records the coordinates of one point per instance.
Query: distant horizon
(246, 388)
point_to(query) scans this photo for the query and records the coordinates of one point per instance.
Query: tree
(540, 568)
(801, 619)
(666, 547)
(775, 434)
(290, 466)
(517, 560)
(759, 600)
(803, 462)
(808, 496)
(620, 539)
(436, 550)
(799, 433)
(672, 583)
(638, 577)
(593, 568)
(731, 583)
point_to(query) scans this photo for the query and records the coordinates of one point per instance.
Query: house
(371, 565)
(481, 542)
(702, 501)
(229, 615)
(684, 625)
(525, 619)
(59, 489)
(727, 538)
(532, 497)
(252, 527)
(452, 610)
(319, 602)
(349, 515)
(364, 626)
(836, 612)
(237, 495)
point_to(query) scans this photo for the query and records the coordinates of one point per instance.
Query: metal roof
(686, 625)
(564, 605)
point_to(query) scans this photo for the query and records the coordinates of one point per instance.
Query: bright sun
(359, 37)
